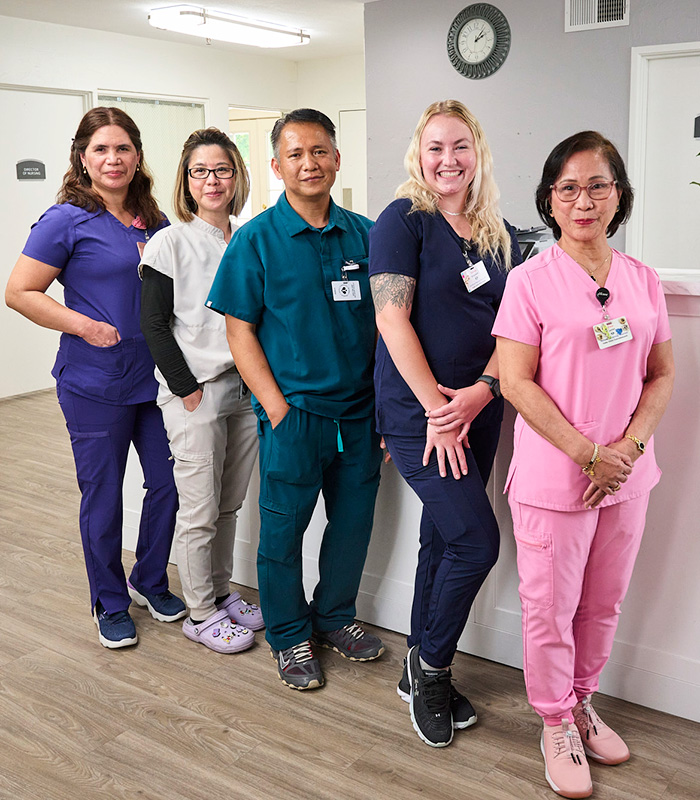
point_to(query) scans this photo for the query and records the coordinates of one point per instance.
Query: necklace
(452, 213)
(595, 269)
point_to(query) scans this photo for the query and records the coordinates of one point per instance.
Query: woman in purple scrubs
(91, 241)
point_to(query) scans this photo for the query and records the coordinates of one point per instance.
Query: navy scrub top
(452, 324)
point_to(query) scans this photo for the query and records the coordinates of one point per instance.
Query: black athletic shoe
(463, 714)
(430, 701)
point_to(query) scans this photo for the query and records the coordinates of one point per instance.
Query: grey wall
(552, 84)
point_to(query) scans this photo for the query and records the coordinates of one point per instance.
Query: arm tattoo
(390, 288)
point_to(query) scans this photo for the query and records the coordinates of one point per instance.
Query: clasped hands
(613, 469)
(448, 426)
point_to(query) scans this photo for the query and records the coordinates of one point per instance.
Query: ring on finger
(615, 488)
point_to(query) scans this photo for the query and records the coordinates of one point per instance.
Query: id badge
(345, 290)
(612, 332)
(475, 275)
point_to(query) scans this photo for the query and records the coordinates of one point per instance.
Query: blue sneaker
(114, 630)
(164, 606)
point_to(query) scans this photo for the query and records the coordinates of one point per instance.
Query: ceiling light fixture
(219, 25)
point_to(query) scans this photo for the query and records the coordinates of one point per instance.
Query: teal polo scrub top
(277, 274)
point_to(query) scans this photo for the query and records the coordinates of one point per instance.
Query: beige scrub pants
(214, 449)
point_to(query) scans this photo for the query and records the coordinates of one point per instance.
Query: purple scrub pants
(459, 540)
(100, 436)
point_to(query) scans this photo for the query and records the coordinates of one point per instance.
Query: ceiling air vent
(582, 15)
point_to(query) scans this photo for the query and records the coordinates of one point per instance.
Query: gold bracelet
(589, 469)
(640, 444)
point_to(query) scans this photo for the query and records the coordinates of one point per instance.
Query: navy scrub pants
(459, 540)
(100, 436)
(304, 455)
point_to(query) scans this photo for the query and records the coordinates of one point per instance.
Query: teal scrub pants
(304, 455)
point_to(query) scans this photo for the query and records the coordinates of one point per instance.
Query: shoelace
(587, 717)
(354, 631)
(436, 692)
(301, 652)
(568, 743)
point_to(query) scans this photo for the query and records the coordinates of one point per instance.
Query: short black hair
(555, 163)
(302, 115)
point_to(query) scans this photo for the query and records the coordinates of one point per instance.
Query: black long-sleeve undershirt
(157, 305)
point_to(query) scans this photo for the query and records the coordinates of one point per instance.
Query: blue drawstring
(340, 438)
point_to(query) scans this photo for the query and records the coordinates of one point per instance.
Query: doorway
(250, 131)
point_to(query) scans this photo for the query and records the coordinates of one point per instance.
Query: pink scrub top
(550, 302)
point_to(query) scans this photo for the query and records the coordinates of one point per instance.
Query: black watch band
(493, 383)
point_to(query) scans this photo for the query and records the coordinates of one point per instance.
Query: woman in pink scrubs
(584, 348)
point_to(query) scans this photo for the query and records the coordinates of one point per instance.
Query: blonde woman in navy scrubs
(90, 242)
(438, 261)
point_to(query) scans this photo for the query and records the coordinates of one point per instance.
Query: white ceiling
(335, 26)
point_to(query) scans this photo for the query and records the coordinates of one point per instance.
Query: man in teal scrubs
(294, 288)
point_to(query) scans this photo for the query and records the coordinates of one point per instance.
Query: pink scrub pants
(574, 567)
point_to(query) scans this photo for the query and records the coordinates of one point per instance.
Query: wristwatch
(493, 383)
(640, 444)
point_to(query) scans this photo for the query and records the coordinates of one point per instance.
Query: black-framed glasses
(202, 173)
(598, 190)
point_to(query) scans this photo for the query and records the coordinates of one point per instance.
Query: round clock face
(478, 40)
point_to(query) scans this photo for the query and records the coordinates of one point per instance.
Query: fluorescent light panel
(219, 25)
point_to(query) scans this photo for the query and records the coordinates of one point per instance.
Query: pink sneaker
(219, 633)
(599, 740)
(246, 614)
(565, 765)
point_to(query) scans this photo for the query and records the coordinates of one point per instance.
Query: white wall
(551, 85)
(335, 85)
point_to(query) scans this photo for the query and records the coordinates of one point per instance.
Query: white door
(252, 138)
(39, 125)
(664, 231)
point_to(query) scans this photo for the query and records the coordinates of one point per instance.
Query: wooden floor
(171, 720)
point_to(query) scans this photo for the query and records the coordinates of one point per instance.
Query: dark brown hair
(555, 163)
(77, 186)
(184, 204)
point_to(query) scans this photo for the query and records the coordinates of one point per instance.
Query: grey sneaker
(463, 714)
(351, 641)
(297, 666)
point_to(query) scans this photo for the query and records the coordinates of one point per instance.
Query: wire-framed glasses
(568, 192)
(202, 173)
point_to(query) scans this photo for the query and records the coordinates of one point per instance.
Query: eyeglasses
(202, 173)
(568, 192)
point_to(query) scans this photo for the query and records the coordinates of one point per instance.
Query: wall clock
(478, 40)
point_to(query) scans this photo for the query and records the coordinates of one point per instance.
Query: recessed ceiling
(336, 26)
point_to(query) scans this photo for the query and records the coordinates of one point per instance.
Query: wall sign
(29, 170)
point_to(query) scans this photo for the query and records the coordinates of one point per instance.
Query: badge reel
(611, 331)
(346, 289)
(475, 275)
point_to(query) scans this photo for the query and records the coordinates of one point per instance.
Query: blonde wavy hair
(488, 229)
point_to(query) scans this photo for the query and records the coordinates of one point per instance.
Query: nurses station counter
(656, 658)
